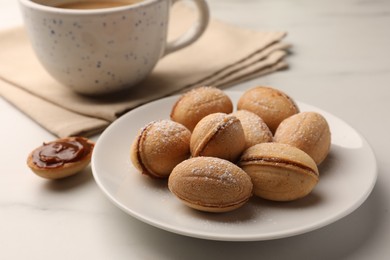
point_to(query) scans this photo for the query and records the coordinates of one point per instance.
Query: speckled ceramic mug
(98, 51)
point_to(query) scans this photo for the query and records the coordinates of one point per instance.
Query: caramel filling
(140, 140)
(278, 161)
(57, 153)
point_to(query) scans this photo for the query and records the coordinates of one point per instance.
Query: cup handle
(194, 32)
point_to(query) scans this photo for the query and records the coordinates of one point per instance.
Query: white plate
(346, 179)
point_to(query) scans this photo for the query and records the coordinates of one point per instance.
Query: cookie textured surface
(272, 105)
(159, 147)
(218, 135)
(210, 184)
(308, 131)
(255, 129)
(279, 172)
(195, 104)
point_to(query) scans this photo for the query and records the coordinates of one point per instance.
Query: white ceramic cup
(98, 51)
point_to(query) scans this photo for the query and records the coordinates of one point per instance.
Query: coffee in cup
(82, 5)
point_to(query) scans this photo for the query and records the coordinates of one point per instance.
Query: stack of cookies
(215, 158)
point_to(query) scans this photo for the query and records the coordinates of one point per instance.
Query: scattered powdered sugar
(165, 136)
(167, 129)
(196, 171)
(302, 127)
(215, 118)
(216, 169)
(255, 129)
(222, 121)
(227, 176)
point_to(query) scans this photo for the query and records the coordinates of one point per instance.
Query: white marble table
(340, 62)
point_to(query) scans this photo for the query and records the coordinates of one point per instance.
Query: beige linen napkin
(223, 56)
